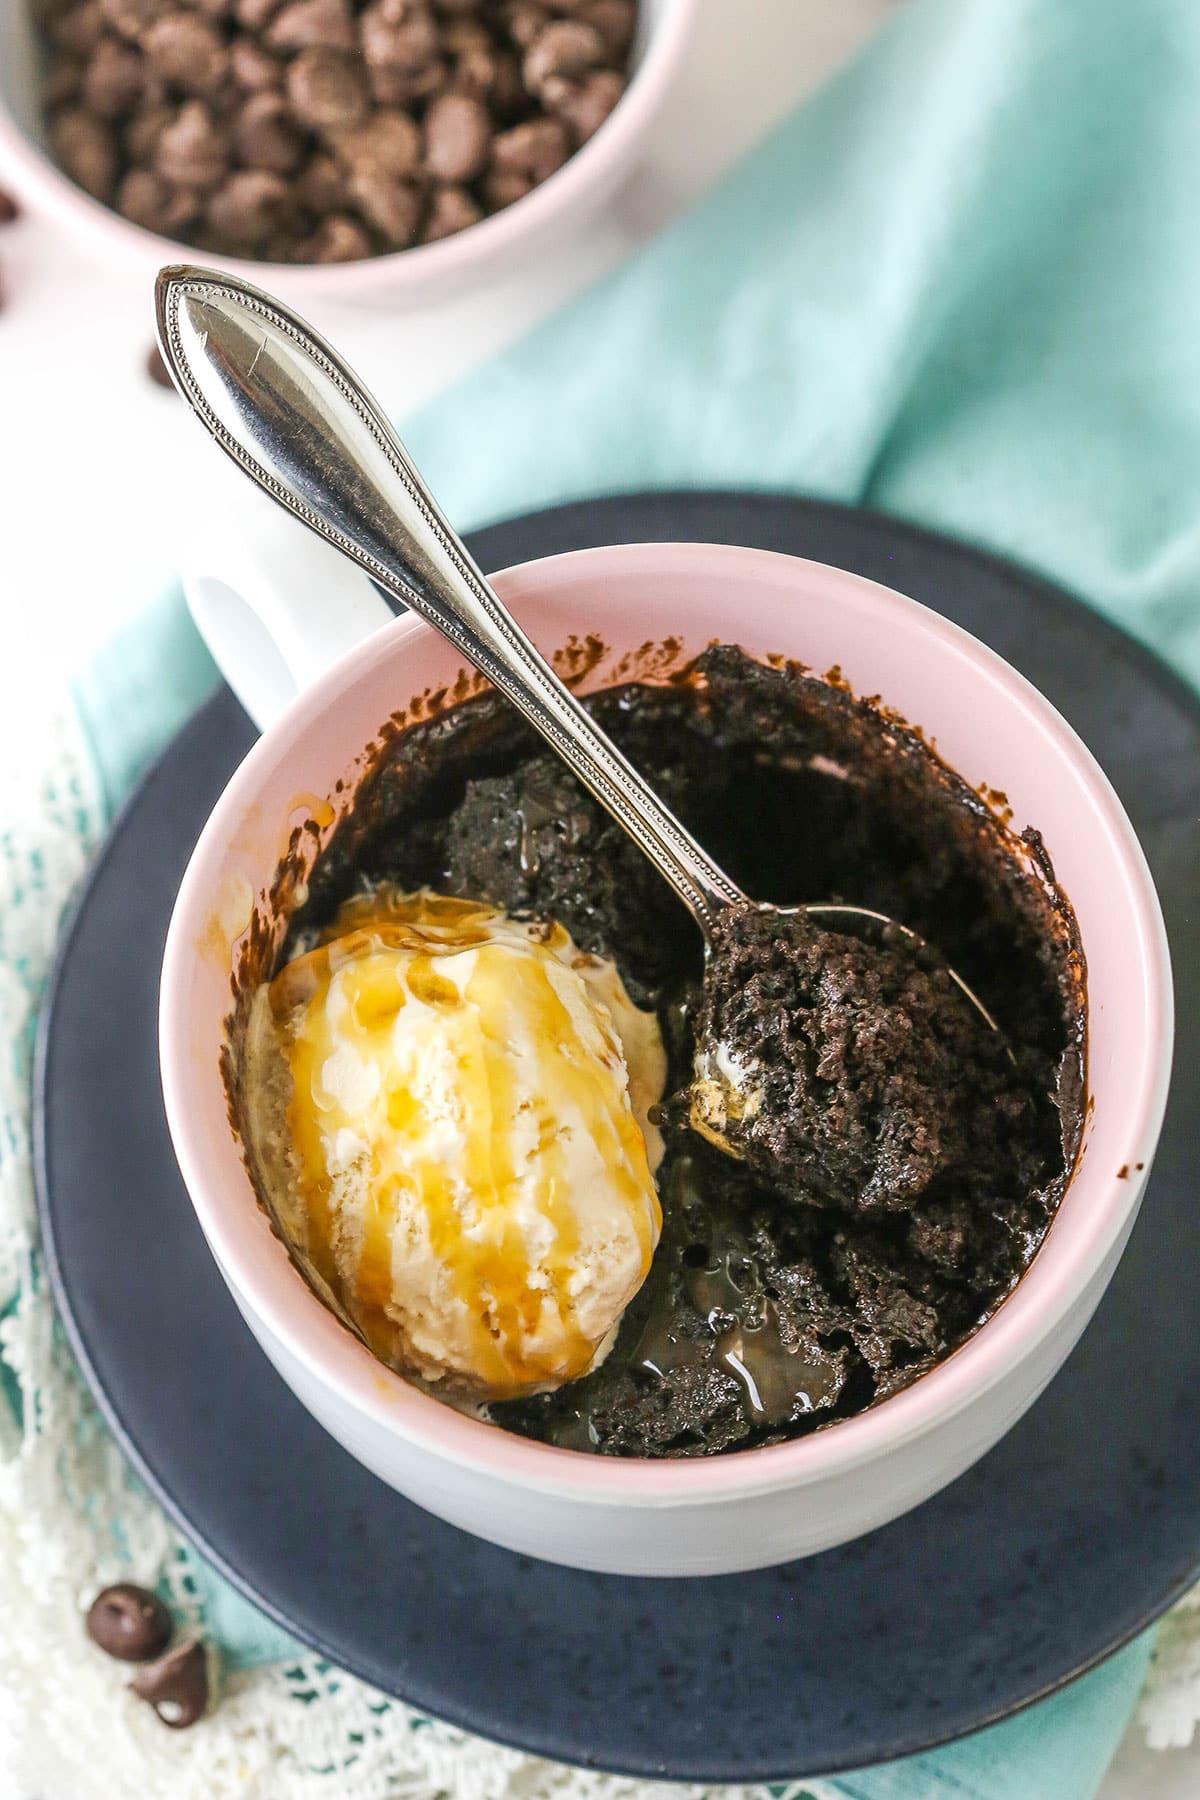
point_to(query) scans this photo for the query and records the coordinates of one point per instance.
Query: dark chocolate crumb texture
(913, 1158)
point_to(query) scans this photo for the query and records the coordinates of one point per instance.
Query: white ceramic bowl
(756, 1506)
(558, 206)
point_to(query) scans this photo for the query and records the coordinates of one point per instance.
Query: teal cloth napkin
(956, 286)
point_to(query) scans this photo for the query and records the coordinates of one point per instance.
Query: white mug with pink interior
(320, 663)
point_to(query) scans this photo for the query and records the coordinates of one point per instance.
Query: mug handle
(275, 605)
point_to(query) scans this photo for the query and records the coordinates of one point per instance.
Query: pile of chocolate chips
(321, 131)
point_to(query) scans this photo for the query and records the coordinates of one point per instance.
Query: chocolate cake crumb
(857, 1064)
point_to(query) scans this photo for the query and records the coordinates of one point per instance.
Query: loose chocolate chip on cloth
(325, 130)
(129, 1622)
(177, 1686)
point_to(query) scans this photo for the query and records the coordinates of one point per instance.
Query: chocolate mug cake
(469, 1100)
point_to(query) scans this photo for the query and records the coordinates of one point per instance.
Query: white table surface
(94, 458)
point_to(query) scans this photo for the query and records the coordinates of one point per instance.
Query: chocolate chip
(616, 21)
(451, 209)
(187, 51)
(502, 187)
(247, 207)
(534, 150)
(464, 34)
(63, 80)
(388, 144)
(584, 105)
(327, 88)
(145, 199)
(399, 35)
(9, 210)
(190, 149)
(87, 150)
(177, 1685)
(321, 185)
(127, 1621)
(254, 68)
(266, 135)
(387, 121)
(44, 12)
(336, 239)
(524, 21)
(401, 87)
(114, 79)
(569, 48)
(473, 71)
(133, 18)
(313, 24)
(140, 136)
(392, 207)
(458, 136)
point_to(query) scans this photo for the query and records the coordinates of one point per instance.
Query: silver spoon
(280, 401)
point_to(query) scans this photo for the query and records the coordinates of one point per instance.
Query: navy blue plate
(1080, 1527)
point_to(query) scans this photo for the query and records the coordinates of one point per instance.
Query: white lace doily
(72, 1518)
(1170, 1705)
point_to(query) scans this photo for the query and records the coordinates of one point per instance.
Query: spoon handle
(284, 406)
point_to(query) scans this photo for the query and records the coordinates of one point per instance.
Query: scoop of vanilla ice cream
(448, 1113)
